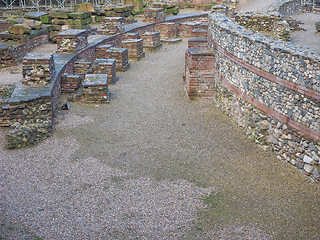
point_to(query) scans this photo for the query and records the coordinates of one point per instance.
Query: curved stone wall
(280, 79)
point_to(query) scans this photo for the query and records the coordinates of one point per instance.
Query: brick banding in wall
(266, 75)
(309, 132)
(270, 88)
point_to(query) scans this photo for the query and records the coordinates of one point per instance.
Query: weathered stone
(308, 168)
(307, 159)
(19, 29)
(86, 7)
(33, 24)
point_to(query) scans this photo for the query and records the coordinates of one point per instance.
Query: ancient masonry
(83, 66)
(271, 88)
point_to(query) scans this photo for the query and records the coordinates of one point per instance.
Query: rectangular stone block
(121, 56)
(101, 50)
(72, 41)
(186, 28)
(37, 69)
(95, 88)
(199, 33)
(168, 30)
(199, 42)
(106, 66)
(135, 48)
(71, 82)
(81, 67)
(151, 41)
(154, 15)
(113, 25)
(131, 36)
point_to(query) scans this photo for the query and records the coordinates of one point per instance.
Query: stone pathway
(152, 165)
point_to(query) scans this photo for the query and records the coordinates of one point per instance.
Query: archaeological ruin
(260, 68)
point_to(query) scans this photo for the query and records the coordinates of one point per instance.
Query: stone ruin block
(101, 50)
(37, 69)
(106, 66)
(135, 48)
(199, 72)
(121, 56)
(71, 82)
(151, 41)
(72, 41)
(317, 24)
(186, 28)
(113, 25)
(168, 30)
(199, 33)
(203, 25)
(81, 67)
(95, 88)
(131, 36)
(154, 15)
(198, 42)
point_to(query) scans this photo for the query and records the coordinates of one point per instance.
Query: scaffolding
(311, 4)
(50, 4)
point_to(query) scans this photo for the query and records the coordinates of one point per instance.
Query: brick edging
(270, 112)
(282, 82)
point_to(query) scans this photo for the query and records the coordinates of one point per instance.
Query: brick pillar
(131, 36)
(101, 50)
(105, 66)
(198, 42)
(113, 25)
(135, 48)
(37, 69)
(151, 41)
(121, 56)
(186, 28)
(95, 88)
(72, 41)
(168, 30)
(199, 33)
(71, 82)
(154, 15)
(199, 72)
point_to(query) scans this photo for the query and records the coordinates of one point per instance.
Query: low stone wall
(29, 110)
(12, 54)
(286, 8)
(271, 87)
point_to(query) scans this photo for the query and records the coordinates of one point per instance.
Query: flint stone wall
(286, 8)
(256, 75)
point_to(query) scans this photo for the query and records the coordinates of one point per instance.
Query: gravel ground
(309, 38)
(152, 165)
